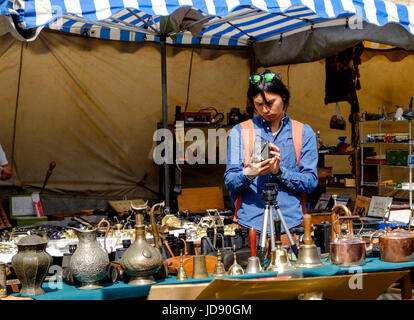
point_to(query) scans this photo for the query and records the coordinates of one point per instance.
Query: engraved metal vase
(89, 263)
(141, 260)
(31, 264)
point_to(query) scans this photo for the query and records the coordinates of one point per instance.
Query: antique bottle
(142, 260)
(89, 263)
(31, 264)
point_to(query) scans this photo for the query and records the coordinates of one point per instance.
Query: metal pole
(165, 117)
(264, 229)
(282, 220)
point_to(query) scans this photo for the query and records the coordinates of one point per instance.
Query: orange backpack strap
(297, 132)
(247, 133)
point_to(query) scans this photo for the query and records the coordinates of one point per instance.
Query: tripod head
(269, 193)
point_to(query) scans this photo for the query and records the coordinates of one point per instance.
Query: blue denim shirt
(293, 181)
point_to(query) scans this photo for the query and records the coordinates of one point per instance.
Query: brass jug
(89, 263)
(141, 260)
(199, 267)
(308, 254)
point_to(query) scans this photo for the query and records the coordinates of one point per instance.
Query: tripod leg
(272, 229)
(292, 243)
(264, 230)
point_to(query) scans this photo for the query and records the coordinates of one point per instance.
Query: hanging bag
(337, 120)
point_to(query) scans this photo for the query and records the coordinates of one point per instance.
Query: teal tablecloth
(121, 290)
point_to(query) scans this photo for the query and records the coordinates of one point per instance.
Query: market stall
(207, 236)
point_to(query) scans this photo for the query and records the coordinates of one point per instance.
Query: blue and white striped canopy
(227, 22)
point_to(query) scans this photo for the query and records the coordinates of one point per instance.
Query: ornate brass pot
(142, 260)
(89, 263)
(31, 264)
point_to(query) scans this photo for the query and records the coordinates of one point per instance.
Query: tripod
(269, 197)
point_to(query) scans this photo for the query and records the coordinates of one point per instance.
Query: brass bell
(181, 275)
(279, 259)
(235, 269)
(308, 254)
(219, 269)
(199, 267)
(253, 263)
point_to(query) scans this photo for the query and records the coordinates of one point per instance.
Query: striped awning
(226, 22)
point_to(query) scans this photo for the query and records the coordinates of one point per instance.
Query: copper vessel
(346, 250)
(397, 245)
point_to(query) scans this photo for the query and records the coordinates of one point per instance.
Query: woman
(246, 179)
(5, 169)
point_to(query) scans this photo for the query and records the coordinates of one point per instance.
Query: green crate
(396, 157)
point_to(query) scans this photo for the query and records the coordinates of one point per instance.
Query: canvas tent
(88, 65)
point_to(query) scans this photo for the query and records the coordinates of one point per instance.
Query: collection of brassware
(179, 247)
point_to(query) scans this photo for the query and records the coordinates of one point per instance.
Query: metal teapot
(142, 260)
(397, 245)
(346, 250)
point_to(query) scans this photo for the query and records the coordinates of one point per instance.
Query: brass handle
(362, 227)
(155, 233)
(341, 207)
(108, 227)
(336, 227)
(411, 220)
(307, 239)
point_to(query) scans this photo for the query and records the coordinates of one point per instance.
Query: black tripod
(269, 197)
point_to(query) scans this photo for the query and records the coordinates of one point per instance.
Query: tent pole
(165, 117)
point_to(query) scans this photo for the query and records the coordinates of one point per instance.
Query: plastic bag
(337, 120)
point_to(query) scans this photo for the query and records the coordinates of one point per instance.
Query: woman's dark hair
(274, 86)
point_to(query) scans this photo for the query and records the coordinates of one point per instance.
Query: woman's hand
(274, 154)
(270, 165)
(254, 170)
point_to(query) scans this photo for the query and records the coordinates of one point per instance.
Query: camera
(261, 151)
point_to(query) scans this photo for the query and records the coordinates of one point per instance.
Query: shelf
(337, 153)
(408, 142)
(338, 185)
(386, 120)
(373, 184)
(384, 165)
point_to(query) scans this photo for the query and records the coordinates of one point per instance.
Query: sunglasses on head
(267, 77)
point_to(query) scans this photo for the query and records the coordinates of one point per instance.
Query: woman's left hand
(274, 154)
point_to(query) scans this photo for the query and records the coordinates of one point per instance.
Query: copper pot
(346, 250)
(397, 245)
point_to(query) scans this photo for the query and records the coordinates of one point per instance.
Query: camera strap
(248, 136)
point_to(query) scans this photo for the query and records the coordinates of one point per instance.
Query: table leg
(406, 290)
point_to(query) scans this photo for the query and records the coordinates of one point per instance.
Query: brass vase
(141, 260)
(31, 264)
(89, 263)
